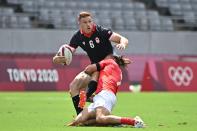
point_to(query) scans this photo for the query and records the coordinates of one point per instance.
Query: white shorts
(105, 99)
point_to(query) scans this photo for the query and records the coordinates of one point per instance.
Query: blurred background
(162, 42)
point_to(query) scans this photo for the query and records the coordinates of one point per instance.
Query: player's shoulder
(104, 31)
(76, 33)
(100, 28)
(75, 38)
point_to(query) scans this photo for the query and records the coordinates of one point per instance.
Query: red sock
(127, 121)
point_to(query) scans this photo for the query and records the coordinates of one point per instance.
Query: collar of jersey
(89, 34)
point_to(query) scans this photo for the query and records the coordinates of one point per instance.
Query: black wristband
(98, 66)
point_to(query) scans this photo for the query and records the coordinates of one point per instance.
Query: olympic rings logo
(180, 75)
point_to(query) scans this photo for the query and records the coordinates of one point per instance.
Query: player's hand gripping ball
(66, 53)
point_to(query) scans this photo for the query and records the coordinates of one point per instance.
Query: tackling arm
(90, 69)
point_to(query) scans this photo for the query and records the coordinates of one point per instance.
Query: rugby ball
(67, 53)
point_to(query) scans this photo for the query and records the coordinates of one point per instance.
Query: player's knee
(78, 83)
(75, 86)
(101, 119)
(75, 83)
(71, 86)
(73, 89)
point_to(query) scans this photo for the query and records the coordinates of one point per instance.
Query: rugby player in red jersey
(95, 40)
(99, 112)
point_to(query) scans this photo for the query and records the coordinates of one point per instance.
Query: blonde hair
(84, 14)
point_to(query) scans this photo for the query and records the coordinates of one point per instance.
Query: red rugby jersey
(110, 76)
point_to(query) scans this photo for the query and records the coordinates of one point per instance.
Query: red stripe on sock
(127, 121)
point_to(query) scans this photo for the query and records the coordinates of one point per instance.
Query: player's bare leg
(80, 81)
(103, 117)
(84, 118)
(92, 86)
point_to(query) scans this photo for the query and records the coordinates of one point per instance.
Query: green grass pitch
(49, 111)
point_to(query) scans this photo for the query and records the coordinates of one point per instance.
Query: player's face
(86, 24)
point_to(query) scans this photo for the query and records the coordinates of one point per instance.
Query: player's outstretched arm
(121, 41)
